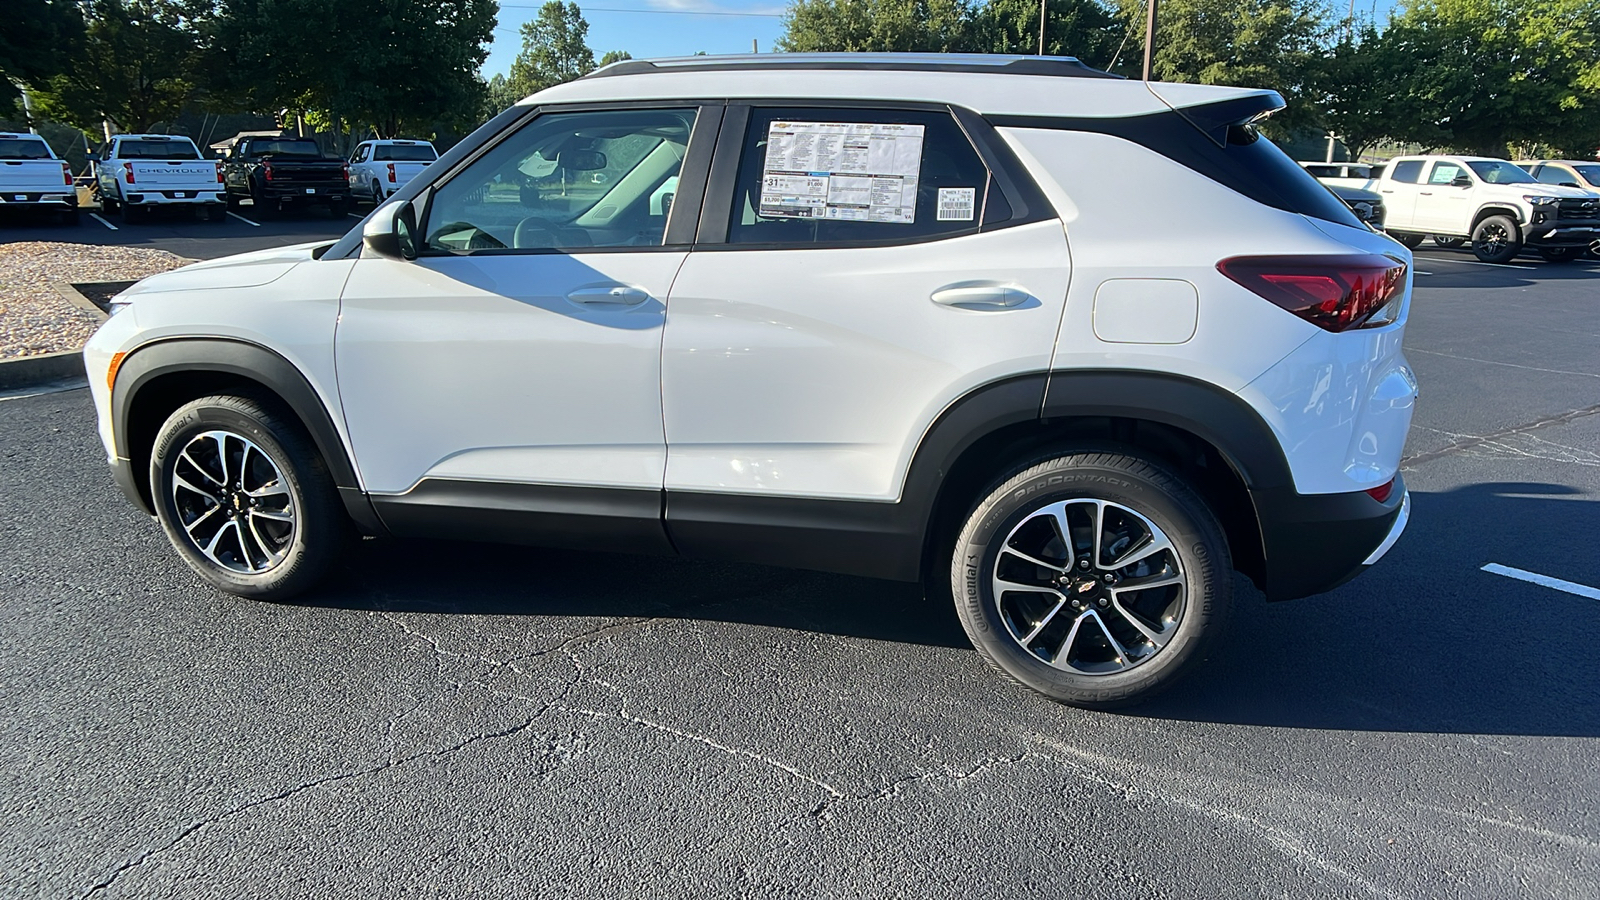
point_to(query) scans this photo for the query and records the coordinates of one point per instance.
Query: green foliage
(1080, 28)
(922, 26)
(391, 65)
(614, 56)
(137, 67)
(553, 49)
(38, 38)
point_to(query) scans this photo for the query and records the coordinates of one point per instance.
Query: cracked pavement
(451, 720)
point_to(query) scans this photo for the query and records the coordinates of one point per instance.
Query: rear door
(858, 269)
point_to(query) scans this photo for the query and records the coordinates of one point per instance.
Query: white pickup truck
(138, 172)
(31, 177)
(1493, 203)
(379, 168)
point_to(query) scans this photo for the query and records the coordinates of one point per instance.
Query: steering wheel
(534, 234)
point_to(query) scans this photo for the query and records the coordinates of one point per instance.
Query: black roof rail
(972, 63)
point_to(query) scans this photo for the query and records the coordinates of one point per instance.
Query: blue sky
(648, 28)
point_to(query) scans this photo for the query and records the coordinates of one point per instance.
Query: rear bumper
(38, 200)
(1315, 542)
(135, 197)
(306, 193)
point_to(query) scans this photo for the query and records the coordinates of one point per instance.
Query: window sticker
(850, 171)
(957, 204)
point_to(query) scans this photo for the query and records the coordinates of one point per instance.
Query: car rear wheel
(1095, 579)
(1447, 241)
(377, 193)
(1496, 240)
(245, 498)
(132, 213)
(1409, 241)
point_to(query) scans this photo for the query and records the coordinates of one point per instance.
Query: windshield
(1590, 174)
(285, 148)
(1497, 172)
(405, 153)
(159, 149)
(23, 148)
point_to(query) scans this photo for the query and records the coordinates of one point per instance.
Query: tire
(1137, 501)
(262, 207)
(133, 213)
(338, 208)
(1594, 249)
(377, 193)
(1562, 254)
(230, 201)
(1409, 241)
(70, 216)
(1496, 240)
(1447, 241)
(109, 206)
(271, 525)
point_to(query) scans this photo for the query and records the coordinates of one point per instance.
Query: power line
(656, 12)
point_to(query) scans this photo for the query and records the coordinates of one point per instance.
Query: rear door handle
(609, 295)
(986, 296)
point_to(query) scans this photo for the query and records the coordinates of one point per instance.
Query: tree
(38, 38)
(614, 56)
(1080, 28)
(137, 67)
(925, 26)
(553, 49)
(1361, 92)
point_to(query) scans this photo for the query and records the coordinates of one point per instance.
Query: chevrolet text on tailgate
(914, 334)
(31, 177)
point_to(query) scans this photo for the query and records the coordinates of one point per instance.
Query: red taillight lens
(1381, 492)
(219, 173)
(266, 171)
(127, 169)
(1336, 293)
(391, 173)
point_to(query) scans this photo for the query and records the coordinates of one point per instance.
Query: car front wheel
(1496, 240)
(1095, 579)
(245, 498)
(1562, 254)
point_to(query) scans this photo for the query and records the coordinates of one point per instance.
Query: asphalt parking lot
(449, 720)
(181, 232)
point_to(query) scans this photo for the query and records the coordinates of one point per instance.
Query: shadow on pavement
(1424, 643)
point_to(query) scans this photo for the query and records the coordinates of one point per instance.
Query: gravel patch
(34, 319)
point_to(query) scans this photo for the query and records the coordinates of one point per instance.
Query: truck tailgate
(175, 175)
(31, 175)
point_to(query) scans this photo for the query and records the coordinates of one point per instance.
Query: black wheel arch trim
(242, 359)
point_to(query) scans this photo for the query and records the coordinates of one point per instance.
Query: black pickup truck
(277, 172)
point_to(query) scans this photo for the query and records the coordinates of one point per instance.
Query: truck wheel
(69, 216)
(338, 208)
(1496, 240)
(109, 206)
(1092, 578)
(132, 213)
(377, 193)
(245, 498)
(261, 206)
(1561, 254)
(1447, 241)
(1409, 241)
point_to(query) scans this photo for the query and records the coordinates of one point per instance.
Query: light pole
(1041, 27)
(1149, 39)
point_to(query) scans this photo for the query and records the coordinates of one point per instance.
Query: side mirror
(391, 232)
(1570, 184)
(1462, 180)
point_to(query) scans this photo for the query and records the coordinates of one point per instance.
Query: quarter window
(811, 175)
(566, 181)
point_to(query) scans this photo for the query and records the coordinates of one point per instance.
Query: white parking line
(97, 218)
(1471, 262)
(243, 219)
(1582, 590)
(354, 216)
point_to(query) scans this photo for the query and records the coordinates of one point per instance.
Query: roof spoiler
(1215, 118)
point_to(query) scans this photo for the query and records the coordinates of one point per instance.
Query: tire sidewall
(1197, 541)
(1513, 244)
(208, 415)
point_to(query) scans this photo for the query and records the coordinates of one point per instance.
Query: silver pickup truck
(138, 172)
(31, 177)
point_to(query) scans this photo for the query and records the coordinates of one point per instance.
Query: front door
(518, 358)
(1442, 206)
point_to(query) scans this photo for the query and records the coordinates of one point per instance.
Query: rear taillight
(1336, 293)
(391, 173)
(219, 173)
(127, 169)
(66, 175)
(1381, 492)
(266, 171)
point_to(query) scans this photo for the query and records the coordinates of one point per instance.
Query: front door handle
(985, 296)
(609, 295)
(1427, 193)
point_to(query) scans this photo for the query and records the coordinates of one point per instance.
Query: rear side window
(23, 148)
(842, 176)
(1323, 171)
(405, 153)
(1408, 171)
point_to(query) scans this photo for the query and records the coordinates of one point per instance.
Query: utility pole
(1041, 27)
(1149, 39)
(756, 49)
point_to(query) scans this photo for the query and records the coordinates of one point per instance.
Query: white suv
(878, 315)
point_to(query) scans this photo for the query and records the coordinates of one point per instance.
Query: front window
(1590, 174)
(1444, 173)
(1495, 171)
(566, 181)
